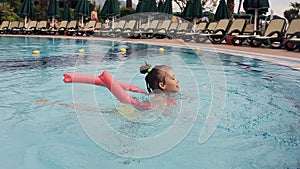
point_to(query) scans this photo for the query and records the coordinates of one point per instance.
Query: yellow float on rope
(36, 52)
(123, 50)
(81, 51)
(161, 49)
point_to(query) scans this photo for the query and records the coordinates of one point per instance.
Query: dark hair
(154, 76)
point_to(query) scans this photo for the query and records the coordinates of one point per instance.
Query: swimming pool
(258, 127)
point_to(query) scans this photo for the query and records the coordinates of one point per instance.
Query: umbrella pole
(81, 20)
(271, 14)
(53, 17)
(140, 23)
(195, 20)
(25, 20)
(113, 22)
(255, 20)
(148, 24)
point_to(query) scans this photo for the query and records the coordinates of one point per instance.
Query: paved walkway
(279, 56)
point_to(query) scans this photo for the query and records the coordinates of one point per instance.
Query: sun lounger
(71, 28)
(13, 27)
(108, 32)
(41, 27)
(31, 27)
(291, 32)
(128, 29)
(293, 43)
(236, 28)
(139, 32)
(17, 30)
(178, 33)
(90, 31)
(88, 26)
(274, 29)
(149, 31)
(172, 29)
(118, 29)
(222, 25)
(161, 31)
(104, 30)
(210, 28)
(189, 34)
(4, 27)
(273, 33)
(292, 36)
(60, 29)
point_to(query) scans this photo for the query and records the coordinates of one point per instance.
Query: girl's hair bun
(145, 68)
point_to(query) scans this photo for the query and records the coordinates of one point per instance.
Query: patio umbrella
(160, 6)
(91, 7)
(67, 14)
(27, 10)
(111, 9)
(168, 9)
(82, 10)
(53, 10)
(187, 9)
(222, 11)
(150, 6)
(258, 6)
(243, 16)
(140, 6)
(192, 10)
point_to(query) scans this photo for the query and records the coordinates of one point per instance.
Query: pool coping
(281, 56)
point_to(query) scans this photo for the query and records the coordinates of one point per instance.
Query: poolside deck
(279, 56)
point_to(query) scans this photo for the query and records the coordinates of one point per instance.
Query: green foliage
(126, 11)
(7, 13)
(72, 12)
(15, 4)
(208, 5)
(38, 13)
(211, 17)
(295, 5)
(292, 13)
(102, 20)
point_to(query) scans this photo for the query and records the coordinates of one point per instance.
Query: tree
(128, 3)
(44, 6)
(7, 13)
(295, 5)
(15, 4)
(230, 5)
(239, 8)
(292, 13)
(206, 4)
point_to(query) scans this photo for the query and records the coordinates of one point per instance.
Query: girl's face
(171, 84)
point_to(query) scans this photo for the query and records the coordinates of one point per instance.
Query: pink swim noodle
(116, 87)
(89, 79)
(119, 92)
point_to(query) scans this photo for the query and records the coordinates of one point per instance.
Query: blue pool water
(232, 112)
